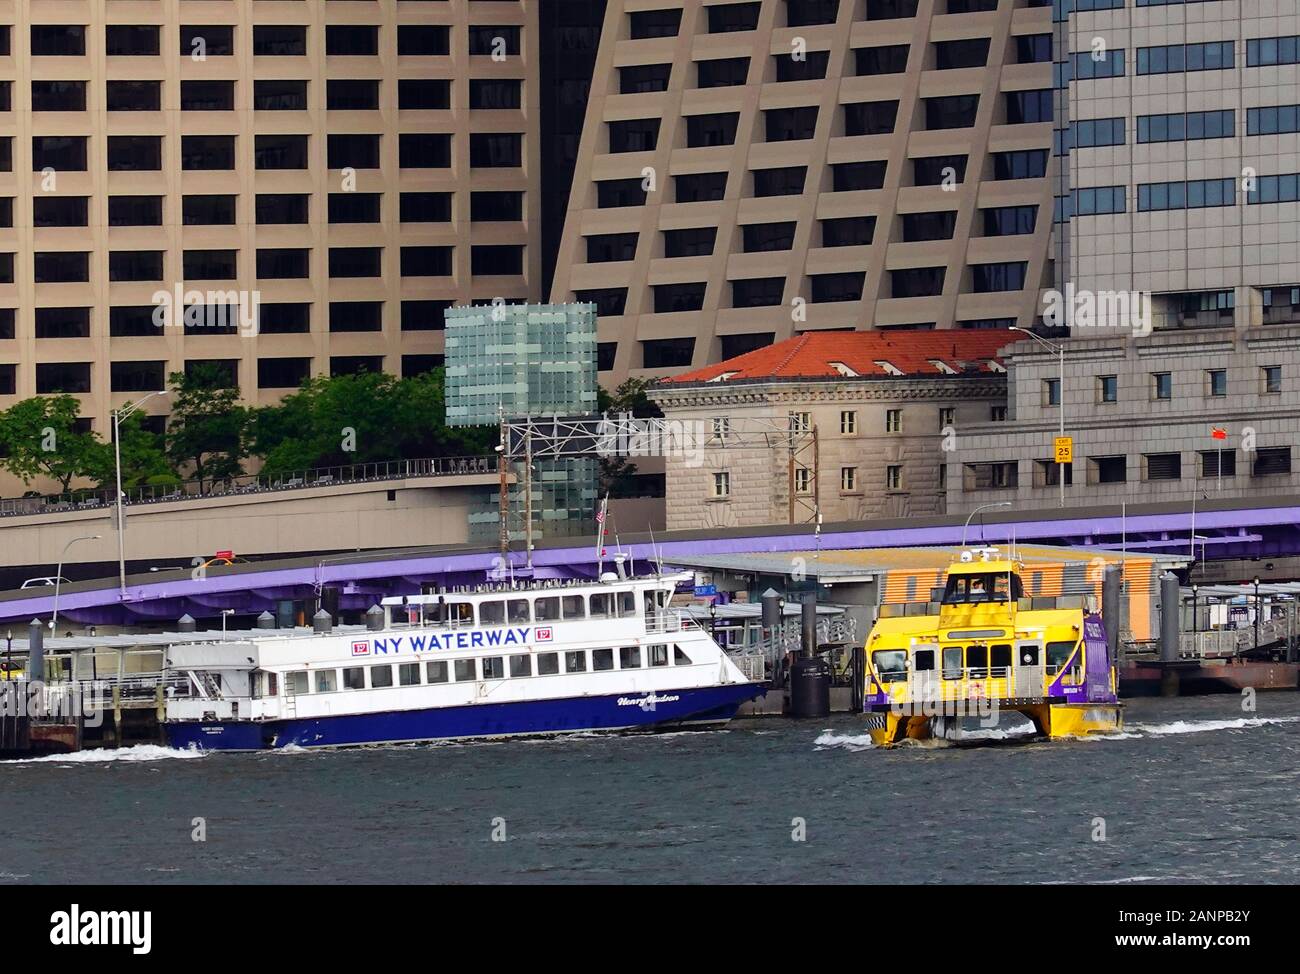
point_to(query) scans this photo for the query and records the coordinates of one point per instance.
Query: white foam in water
(1200, 726)
(850, 742)
(139, 752)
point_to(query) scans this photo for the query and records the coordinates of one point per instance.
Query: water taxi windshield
(978, 588)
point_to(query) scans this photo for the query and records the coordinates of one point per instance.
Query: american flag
(600, 516)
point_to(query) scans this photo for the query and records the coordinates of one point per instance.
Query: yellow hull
(1053, 721)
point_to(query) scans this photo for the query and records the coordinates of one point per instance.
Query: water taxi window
(602, 659)
(626, 604)
(381, 676)
(517, 610)
(973, 589)
(629, 658)
(296, 682)
(602, 605)
(1000, 655)
(574, 607)
(952, 663)
(923, 659)
(521, 665)
(977, 661)
(659, 655)
(465, 671)
(327, 681)
(890, 664)
(680, 658)
(436, 671)
(546, 610)
(548, 664)
(1058, 654)
(354, 678)
(494, 668)
(1029, 655)
(408, 674)
(575, 662)
(491, 613)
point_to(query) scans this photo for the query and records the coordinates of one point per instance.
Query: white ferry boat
(536, 659)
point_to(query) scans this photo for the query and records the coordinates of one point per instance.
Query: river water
(1194, 791)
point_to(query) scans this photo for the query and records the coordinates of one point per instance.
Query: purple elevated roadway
(1224, 530)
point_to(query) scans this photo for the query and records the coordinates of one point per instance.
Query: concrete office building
(1183, 154)
(359, 165)
(750, 171)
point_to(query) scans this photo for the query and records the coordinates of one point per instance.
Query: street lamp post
(982, 507)
(1257, 612)
(1196, 622)
(118, 416)
(58, 577)
(1060, 394)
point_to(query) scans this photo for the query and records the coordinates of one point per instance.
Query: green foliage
(40, 440)
(207, 433)
(617, 474)
(144, 460)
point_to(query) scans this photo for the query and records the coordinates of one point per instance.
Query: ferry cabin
(613, 641)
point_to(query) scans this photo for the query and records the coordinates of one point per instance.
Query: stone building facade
(855, 427)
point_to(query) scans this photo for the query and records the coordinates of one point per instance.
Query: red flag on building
(1219, 432)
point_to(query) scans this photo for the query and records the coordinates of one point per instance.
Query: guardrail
(251, 484)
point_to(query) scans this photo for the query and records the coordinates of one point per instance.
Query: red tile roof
(911, 352)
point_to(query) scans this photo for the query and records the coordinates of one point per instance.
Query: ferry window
(465, 671)
(680, 658)
(923, 659)
(890, 664)
(436, 671)
(272, 684)
(1001, 656)
(461, 613)
(491, 613)
(629, 658)
(575, 662)
(977, 660)
(408, 674)
(602, 605)
(574, 607)
(1058, 654)
(659, 655)
(626, 604)
(952, 663)
(354, 678)
(548, 664)
(381, 676)
(327, 681)
(546, 610)
(295, 682)
(517, 610)
(521, 665)
(494, 668)
(602, 659)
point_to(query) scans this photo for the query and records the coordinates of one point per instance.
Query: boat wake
(1201, 726)
(138, 752)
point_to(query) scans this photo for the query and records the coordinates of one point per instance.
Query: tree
(144, 459)
(208, 430)
(617, 475)
(40, 438)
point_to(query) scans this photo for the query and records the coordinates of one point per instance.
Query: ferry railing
(974, 683)
(670, 622)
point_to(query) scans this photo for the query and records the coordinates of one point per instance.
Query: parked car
(48, 581)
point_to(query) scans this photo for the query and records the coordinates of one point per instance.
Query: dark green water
(1196, 791)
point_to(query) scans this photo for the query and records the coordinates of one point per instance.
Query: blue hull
(672, 708)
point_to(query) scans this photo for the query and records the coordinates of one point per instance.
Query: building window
(800, 422)
(1107, 388)
(998, 414)
(848, 479)
(1051, 392)
(1272, 460)
(848, 422)
(894, 477)
(1271, 376)
(893, 421)
(722, 484)
(1216, 382)
(947, 417)
(1109, 470)
(1218, 463)
(1164, 466)
(721, 426)
(802, 480)
(1162, 385)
